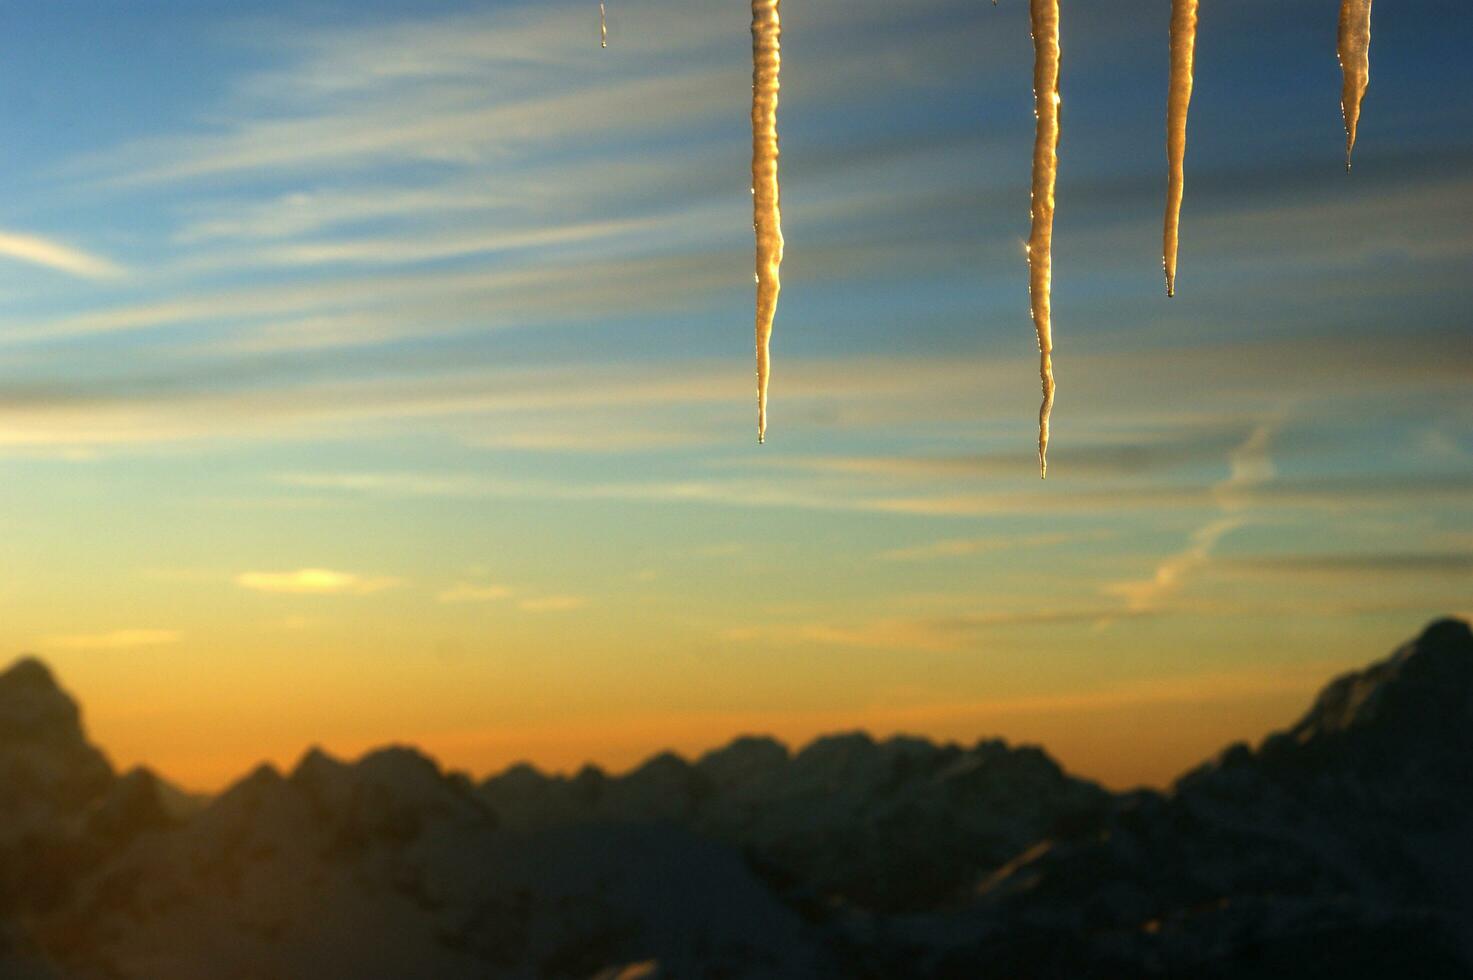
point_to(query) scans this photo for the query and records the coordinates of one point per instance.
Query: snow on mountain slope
(1342, 847)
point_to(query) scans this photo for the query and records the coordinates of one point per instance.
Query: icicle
(1179, 98)
(766, 210)
(1354, 44)
(1044, 17)
(603, 26)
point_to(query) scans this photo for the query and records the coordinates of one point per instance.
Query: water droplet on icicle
(766, 209)
(1178, 99)
(1354, 44)
(1044, 18)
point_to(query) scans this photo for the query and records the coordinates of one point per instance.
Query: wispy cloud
(419, 248)
(932, 634)
(1438, 564)
(464, 88)
(125, 639)
(552, 603)
(204, 399)
(625, 435)
(1249, 466)
(314, 581)
(438, 123)
(302, 212)
(962, 547)
(747, 493)
(468, 592)
(54, 255)
(1206, 688)
(1093, 455)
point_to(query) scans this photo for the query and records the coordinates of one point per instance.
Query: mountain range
(1340, 847)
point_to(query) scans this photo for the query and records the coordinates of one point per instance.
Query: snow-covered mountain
(1341, 847)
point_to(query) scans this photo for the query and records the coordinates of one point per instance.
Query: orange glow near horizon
(1129, 733)
(384, 377)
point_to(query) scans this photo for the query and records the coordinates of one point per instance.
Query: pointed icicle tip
(1353, 45)
(1044, 22)
(767, 221)
(1046, 374)
(1183, 43)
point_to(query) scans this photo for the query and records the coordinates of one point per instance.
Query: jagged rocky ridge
(889, 826)
(1341, 847)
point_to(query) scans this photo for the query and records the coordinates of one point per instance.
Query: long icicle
(1354, 44)
(766, 202)
(603, 26)
(1044, 17)
(1179, 98)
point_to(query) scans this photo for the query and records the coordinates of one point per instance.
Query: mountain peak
(1405, 721)
(35, 710)
(33, 704)
(1448, 630)
(1426, 682)
(27, 671)
(44, 752)
(744, 760)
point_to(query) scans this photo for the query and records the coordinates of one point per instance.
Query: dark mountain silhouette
(890, 826)
(1341, 847)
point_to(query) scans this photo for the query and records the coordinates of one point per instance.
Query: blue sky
(453, 307)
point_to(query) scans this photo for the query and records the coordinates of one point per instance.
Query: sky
(382, 372)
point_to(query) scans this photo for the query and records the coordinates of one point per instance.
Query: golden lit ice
(1355, 64)
(766, 204)
(1179, 97)
(1044, 15)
